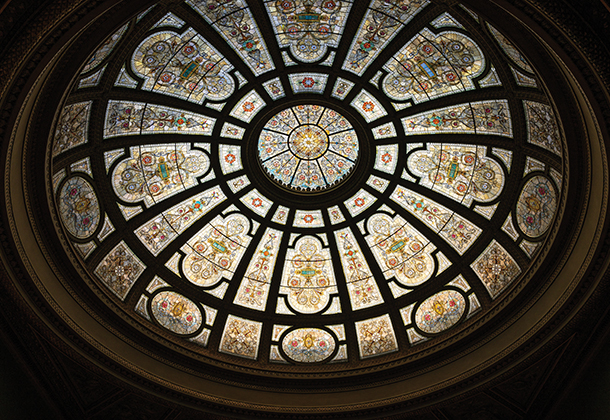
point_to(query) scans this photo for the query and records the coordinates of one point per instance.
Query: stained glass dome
(268, 186)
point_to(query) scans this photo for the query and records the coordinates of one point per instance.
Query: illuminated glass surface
(362, 196)
(308, 147)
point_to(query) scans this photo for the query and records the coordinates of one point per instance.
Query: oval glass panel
(308, 345)
(176, 313)
(440, 311)
(536, 206)
(79, 208)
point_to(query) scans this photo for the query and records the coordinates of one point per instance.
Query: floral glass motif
(461, 172)
(376, 337)
(536, 206)
(72, 127)
(308, 27)
(386, 158)
(430, 66)
(248, 107)
(382, 21)
(454, 229)
(216, 250)
(308, 219)
(369, 107)
(440, 311)
(308, 147)
(125, 118)
(230, 158)
(496, 268)
(361, 285)
(486, 117)
(241, 337)
(185, 66)
(308, 82)
(155, 172)
(254, 288)
(120, 269)
(159, 232)
(234, 21)
(176, 313)
(308, 278)
(105, 49)
(542, 126)
(400, 250)
(359, 202)
(79, 208)
(308, 345)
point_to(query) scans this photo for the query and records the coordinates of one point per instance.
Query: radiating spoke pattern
(214, 180)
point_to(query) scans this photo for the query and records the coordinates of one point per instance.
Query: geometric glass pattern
(297, 201)
(308, 147)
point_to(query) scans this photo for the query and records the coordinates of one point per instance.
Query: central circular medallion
(308, 142)
(308, 148)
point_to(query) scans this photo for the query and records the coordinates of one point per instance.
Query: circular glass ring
(308, 148)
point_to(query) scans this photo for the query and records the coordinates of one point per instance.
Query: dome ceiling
(268, 185)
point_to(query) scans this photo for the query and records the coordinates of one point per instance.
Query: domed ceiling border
(559, 316)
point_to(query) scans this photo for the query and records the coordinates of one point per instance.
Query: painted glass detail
(400, 250)
(430, 66)
(308, 147)
(254, 288)
(536, 206)
(361, 285)
(461, 172)
(542, 126)
(176, 313)
(308, 345)
(216, 250)
(308, 27)
(79, 207)
(454, 229)
(185, 66)
(241, 337)
(486, 117)
(124, 118)
(234, 21)
(496, 268)
(120, 269)
(376, 337)
(368, 106)
(159, 232)
(308, 278)
(382, 21)
(155, 172)
(72, 127)
(440, 311)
